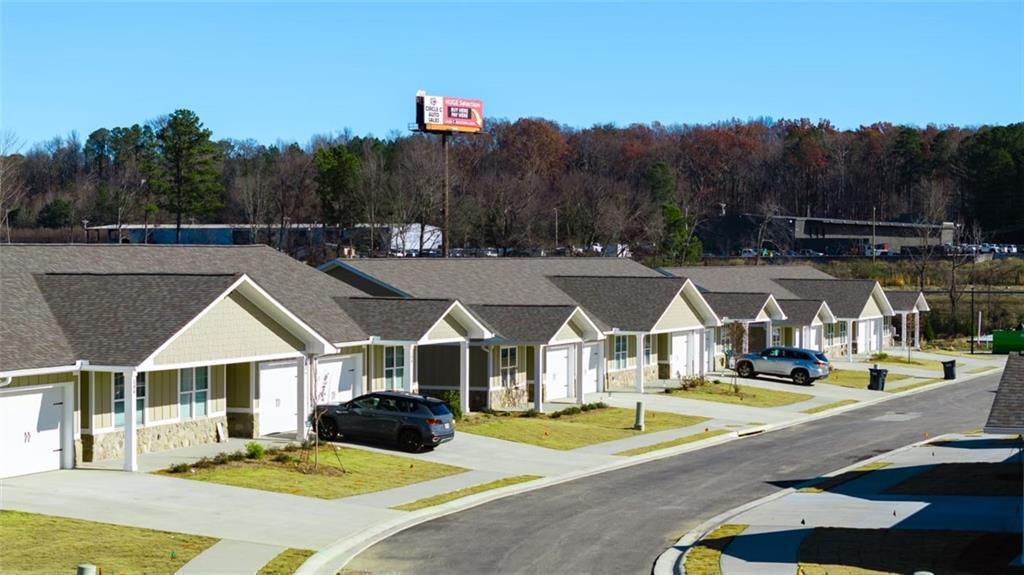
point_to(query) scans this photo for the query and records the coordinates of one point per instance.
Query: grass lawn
(855, 378)
(460, 493)
(980, 369)
(975, 478)
(674, 442)
(831, 551)
(572, 431)
(705, 557)
(829, 406)
(914, 362)
(915, 385)
(342, 473)
(286, 562)
(739, 394)
(34, 543)
(830, 483)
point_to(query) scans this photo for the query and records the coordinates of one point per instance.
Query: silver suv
(803, 366)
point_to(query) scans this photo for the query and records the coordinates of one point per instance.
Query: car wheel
(801, 377)
(327, 429)
(410, 441)
(745, 369)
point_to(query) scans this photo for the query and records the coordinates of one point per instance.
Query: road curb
(329, 560)
(671, 562)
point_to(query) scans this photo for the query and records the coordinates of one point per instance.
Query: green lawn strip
(830, 483)
(286, 562)
(466, 491)
(738, 394)
(674, 442)
(340, 472)
(829, 406)
(855, 379)
(33, 543)
(572, 431)
(980, 369)
(705, 556)
(845, 551)
(902, 361)
(915, 385)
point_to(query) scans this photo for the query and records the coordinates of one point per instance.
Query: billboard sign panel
(449, 114)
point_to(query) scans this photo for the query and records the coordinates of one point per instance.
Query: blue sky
(281, 70)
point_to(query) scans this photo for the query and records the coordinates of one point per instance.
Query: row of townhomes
(108, 351)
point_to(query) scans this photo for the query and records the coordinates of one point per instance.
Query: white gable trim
(593, 333)
(475, 329)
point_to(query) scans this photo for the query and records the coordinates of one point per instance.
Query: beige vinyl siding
(104, 396)
(218, 389)
(238, 383)
(46, 379)
(233, 328)
(571, 331)
(161, 395)
(871, 308)
(377, 361)
(446, 329)
(521, 361)
(85, 409)
(763, 315)
(679, 316)
(630, 351)
(661, 348)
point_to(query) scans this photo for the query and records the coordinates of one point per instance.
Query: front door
(557, 373)
(680, 363)
(338, 377)
(278, 396)
(591, 366)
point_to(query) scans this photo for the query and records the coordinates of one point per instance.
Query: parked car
(803, 366)
(413, 422)
(748, 253)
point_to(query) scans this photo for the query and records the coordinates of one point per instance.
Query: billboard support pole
(447, 211)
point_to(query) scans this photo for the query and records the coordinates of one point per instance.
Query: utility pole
(873, 250)
(447, 209)
(974, 287)
(556, 231)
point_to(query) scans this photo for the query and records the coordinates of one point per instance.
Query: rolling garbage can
(949, 369)
(877, 381)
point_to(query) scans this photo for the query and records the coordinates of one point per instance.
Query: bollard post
(85, 569)
(639, 421)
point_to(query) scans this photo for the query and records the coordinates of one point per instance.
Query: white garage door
(557, 373)
(31, 422)
(338, 378)
(591, 366)
(278, 397)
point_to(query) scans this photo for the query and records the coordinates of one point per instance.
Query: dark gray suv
(414, 422)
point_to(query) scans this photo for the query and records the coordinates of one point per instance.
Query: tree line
(647, 186)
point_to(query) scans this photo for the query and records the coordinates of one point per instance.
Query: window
(842, 331)
(776, 336)
(193, 392)
(722, 335)
(140, 399)
(394, 367)
(830, 333)
(508, 364)
(620, 351)
(647, 350)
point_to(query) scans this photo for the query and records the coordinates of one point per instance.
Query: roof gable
(622, 303)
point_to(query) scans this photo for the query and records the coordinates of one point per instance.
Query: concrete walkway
(230, 557)
(777, 526)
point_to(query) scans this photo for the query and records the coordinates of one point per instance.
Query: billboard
(448, 113)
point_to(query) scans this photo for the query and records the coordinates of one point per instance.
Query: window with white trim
(620, 351)
(647, 350)
(830, 333)
(394, 367)
(776, 336)
(193, 392)
(842, 332)
(508, 366)
(119, 397)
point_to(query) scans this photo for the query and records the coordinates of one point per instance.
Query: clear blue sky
(279, 70)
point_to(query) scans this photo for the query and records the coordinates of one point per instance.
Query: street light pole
(873, 250)
(447, 208)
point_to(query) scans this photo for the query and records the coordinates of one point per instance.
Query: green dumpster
(1007, 340)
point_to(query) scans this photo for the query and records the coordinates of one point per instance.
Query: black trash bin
(877, 381)
(949, 369)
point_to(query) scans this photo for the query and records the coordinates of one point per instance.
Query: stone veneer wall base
(156, 438)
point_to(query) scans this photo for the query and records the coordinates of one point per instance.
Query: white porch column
(917, 330)
(770, 341)
(640, 363)
(703, 343)
(490, 372)
(746, 337)
(579, 373)
(464, 376)
(601, 367)
(131, 457)
(301, 398)
(904, 339)
(407, 351)
(821, 337)
(849, 339)
(538, 373)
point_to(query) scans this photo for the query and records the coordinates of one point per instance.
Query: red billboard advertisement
(449, 114)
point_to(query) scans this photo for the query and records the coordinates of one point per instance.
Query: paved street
(619, 522)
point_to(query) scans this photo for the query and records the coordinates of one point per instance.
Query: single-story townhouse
(805, 325)
(908, 304)
(630, 304)
(755, 313)
(111, 350)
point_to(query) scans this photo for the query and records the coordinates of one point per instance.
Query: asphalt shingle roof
(903, 300)
(736, 305)
(626, 303)
(846, 298)
(121, 319)
(31, 336)
(747, 278)
(397, 319)
(499, 281)
(528, 324)
(1007, 411)
(799, 312)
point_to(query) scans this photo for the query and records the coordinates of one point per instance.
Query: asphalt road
(619, 522)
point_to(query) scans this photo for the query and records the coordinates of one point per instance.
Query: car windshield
(821, 357)
(438, 408)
